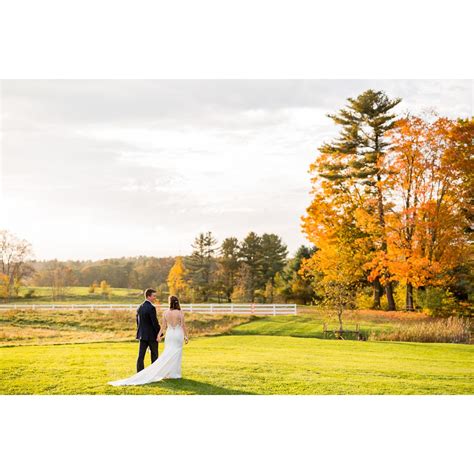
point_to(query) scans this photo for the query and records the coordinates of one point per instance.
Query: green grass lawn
(309, 323)
(247, 365)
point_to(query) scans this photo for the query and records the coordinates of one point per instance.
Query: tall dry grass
(22, 327)
(452, 329)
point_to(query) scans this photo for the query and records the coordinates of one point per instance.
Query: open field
(79, 295)
(31, 327)
(78, 352)
(247, 365)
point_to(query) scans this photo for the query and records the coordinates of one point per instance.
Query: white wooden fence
(215, 308)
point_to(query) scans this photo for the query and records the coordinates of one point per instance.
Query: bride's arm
(163, 327)
(186, 338)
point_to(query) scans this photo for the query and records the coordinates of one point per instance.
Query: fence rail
(215, 308)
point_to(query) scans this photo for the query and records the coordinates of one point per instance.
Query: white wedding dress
(168, 364)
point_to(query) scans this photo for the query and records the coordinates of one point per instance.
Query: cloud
(109, 168)
(197, 102)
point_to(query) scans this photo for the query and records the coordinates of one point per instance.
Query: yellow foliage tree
(105, 288)
(4, 286)
(337, 271)
(176, 280)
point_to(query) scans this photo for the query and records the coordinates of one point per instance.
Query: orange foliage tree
(343, 246)
(430, 183)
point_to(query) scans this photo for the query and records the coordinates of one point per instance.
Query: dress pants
(153, 345)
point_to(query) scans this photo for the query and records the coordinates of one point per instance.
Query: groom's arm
(137, 316)
(154, 319)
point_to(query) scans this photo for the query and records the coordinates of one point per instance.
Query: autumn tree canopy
(392, 199)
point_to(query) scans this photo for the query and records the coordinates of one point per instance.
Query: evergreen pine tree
(274, 253)
(251, 255)
(292, 285)
(358, 155)
(229, 264)
(200, 265)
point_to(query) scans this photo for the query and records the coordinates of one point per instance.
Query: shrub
(29, 293)
(105, 289)
(364, 300)
(437, 301)
(399, 294)
(452, 329)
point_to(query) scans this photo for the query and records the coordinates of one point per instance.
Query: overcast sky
(97, 169)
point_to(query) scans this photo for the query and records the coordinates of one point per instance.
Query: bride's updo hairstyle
(174, 302)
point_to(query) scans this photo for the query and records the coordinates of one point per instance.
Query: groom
(147, 328)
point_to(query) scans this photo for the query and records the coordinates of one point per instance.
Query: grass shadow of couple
(193, 387)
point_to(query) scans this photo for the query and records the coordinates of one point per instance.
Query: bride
(168, 365)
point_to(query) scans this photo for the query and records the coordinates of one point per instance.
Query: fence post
(274, 310)
(232, 308)
(191, 308)
(212, 308)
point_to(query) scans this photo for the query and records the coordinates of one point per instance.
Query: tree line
(256, 269)
(125, 272)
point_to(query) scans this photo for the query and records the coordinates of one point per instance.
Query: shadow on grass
(196, 388)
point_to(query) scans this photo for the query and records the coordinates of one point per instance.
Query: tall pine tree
(252, 260)
(274, 253)
(358, 156)
(200, 265)
(229, 264)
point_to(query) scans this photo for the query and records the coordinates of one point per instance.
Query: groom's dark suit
(147, 332)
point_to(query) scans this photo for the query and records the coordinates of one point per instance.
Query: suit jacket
(147, 322)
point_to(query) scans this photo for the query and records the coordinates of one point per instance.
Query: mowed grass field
(310, 320)
(78, 353)
(247, 365)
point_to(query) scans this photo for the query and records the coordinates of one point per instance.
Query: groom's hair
(149, 292)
